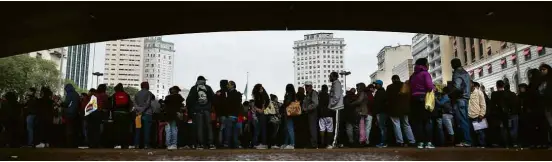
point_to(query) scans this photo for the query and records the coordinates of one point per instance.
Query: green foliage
(21, 72)
(130, 90)
(77, 88)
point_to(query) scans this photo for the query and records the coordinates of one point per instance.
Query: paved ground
(460, 154)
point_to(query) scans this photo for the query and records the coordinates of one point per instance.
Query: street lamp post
(97, 74)
(344, 75)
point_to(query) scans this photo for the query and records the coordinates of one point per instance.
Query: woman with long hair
(261, 101)
(420, 84)
(291, 96)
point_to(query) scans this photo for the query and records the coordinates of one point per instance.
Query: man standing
(381, 113)
(71, 103)
(199, 101)
(309, 106)
(326, 116)
(399, 109)
(477, 109)
(460, 94)
(505, 109)
(220, 105)
(144, 110)
(336, 101)
(31, 106)
(122, 105)
(232, 129)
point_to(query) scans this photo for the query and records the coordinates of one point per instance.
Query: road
(365, 154)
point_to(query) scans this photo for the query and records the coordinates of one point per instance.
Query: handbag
(274, 119)
(430, 101)
(270, 110)
(294, 109)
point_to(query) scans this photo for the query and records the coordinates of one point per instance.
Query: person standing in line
(421, 84)
(235, 110)
(537, 123)
(220, 105)
(260, 102)
(443, 102)
(506, 108)
(326, 116)
(380, 103)
(31, 106)
(44, 118)
(84, 143)
(460, 94)
(274, 121)
(336, 100)
(365, 125)
(199, 101)
(289, 140)
(122, 105)
(398, 96)
(144, 111)
(350, 119)
(71, 115)
(477, 110)
(173, 105)
(361, 105)
(11, 113)
(310, 103)
(545, 95)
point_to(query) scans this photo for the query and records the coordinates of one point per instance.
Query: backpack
(121, 99)
(202, 95)
(270, 109)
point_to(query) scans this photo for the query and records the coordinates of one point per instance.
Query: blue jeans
(480, 135)
(447, 122)
(440, 139)
(290, 136)
(231, 131)
(171, 134)
(509, 130)
(461, 117)
(382, 124)
(221, 137)
(260, 130)
(30, 129)
(146, 127)
(402, 123)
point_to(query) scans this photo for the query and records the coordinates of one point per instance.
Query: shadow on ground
(368, 154)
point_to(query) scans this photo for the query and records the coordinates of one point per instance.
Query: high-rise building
(315, 57)
(55, 55)
(123, 62)
(77, 64)
(404, 69)
(488, 61)
(437, 50)
(388, 58)
(158, 65)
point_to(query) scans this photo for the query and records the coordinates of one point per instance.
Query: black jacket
(323, 105)
(380, 100)
(173, 105)
(349, 110)
(399, 104)
(220, 102)
(504, 103)
(192, 99)
(234, 103)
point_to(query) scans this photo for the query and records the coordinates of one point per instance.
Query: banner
(91, 106)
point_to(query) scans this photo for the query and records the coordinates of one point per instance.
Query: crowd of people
(307, 118)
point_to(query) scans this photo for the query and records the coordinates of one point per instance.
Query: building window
(480, 72)
(514, 59)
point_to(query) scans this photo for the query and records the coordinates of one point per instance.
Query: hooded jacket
(72, 102)
(420, 81)
(31, 105)
(234, 103)
(361, 103)
(443, 103)
(173, 105)
(220, 102)
(380, 101)
(193, 97)
(504, 103)
(398, 103)
(323, 102)
(349, 111)
(336, 94)
(143, 100)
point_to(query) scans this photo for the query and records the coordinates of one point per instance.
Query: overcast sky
(266, 55)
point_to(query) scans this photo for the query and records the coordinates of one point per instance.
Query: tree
(21, 72)
(130, 90)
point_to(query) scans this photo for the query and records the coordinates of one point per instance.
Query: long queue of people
(307, 118)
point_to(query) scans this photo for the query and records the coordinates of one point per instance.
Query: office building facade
(77, 63)
(124, 62)
(158, 65)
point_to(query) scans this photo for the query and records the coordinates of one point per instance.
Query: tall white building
(315, 57)
(388, 58)
(123, 62)
(158, 65)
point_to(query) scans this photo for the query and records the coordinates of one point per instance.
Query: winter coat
(420, 81)
(173, 105)
(444, 104)
(398, 103)
(336, 94)
(361, 103)
(349, 111)
(310, 102)
(220, 102)
(234, 103)
(72, 102)
(504, 103)
(45, 113)
(323, 108)
(380, 101)
(193, 97)
(143, 100)
(461, 85)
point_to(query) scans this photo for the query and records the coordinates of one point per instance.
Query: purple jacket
(420, 81)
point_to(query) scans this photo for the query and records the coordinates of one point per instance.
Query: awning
(477, 70)
(502, 61)
(539, 48)
(526, 51)
(470, 72)
(489, 66)
(513, 57)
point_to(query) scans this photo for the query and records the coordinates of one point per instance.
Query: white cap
(308, 83)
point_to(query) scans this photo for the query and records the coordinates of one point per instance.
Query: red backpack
(121, 99)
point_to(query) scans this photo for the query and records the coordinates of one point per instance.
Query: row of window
(317, 57)
(318, 61)
(513, 58)
(318, 66)
(317, 52)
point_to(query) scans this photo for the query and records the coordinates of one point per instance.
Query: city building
(388, 58)
(123, 62)
(55, 55)
(315, 57)
(77, 61)
(488, 61)
(158, 65)
(404, 69)
(438, 51)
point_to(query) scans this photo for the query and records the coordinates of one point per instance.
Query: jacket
(477, 106)
(72, 102)
(31, 105)
(504, 103)
(220, 103)
(288, 99)
(336, 94)
(103, 101)
(361, 103)
(323, 105)
(143, 100)
(192, 99)
(310, 103)
(398, 104)
(46, 111)
(460, 84)
(380, 101)
(349, 112)
(234, 105)
(420, 81)
(173, 104)
(443, 103)
(125, 108)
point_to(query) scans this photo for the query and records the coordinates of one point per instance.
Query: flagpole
(246, 84)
